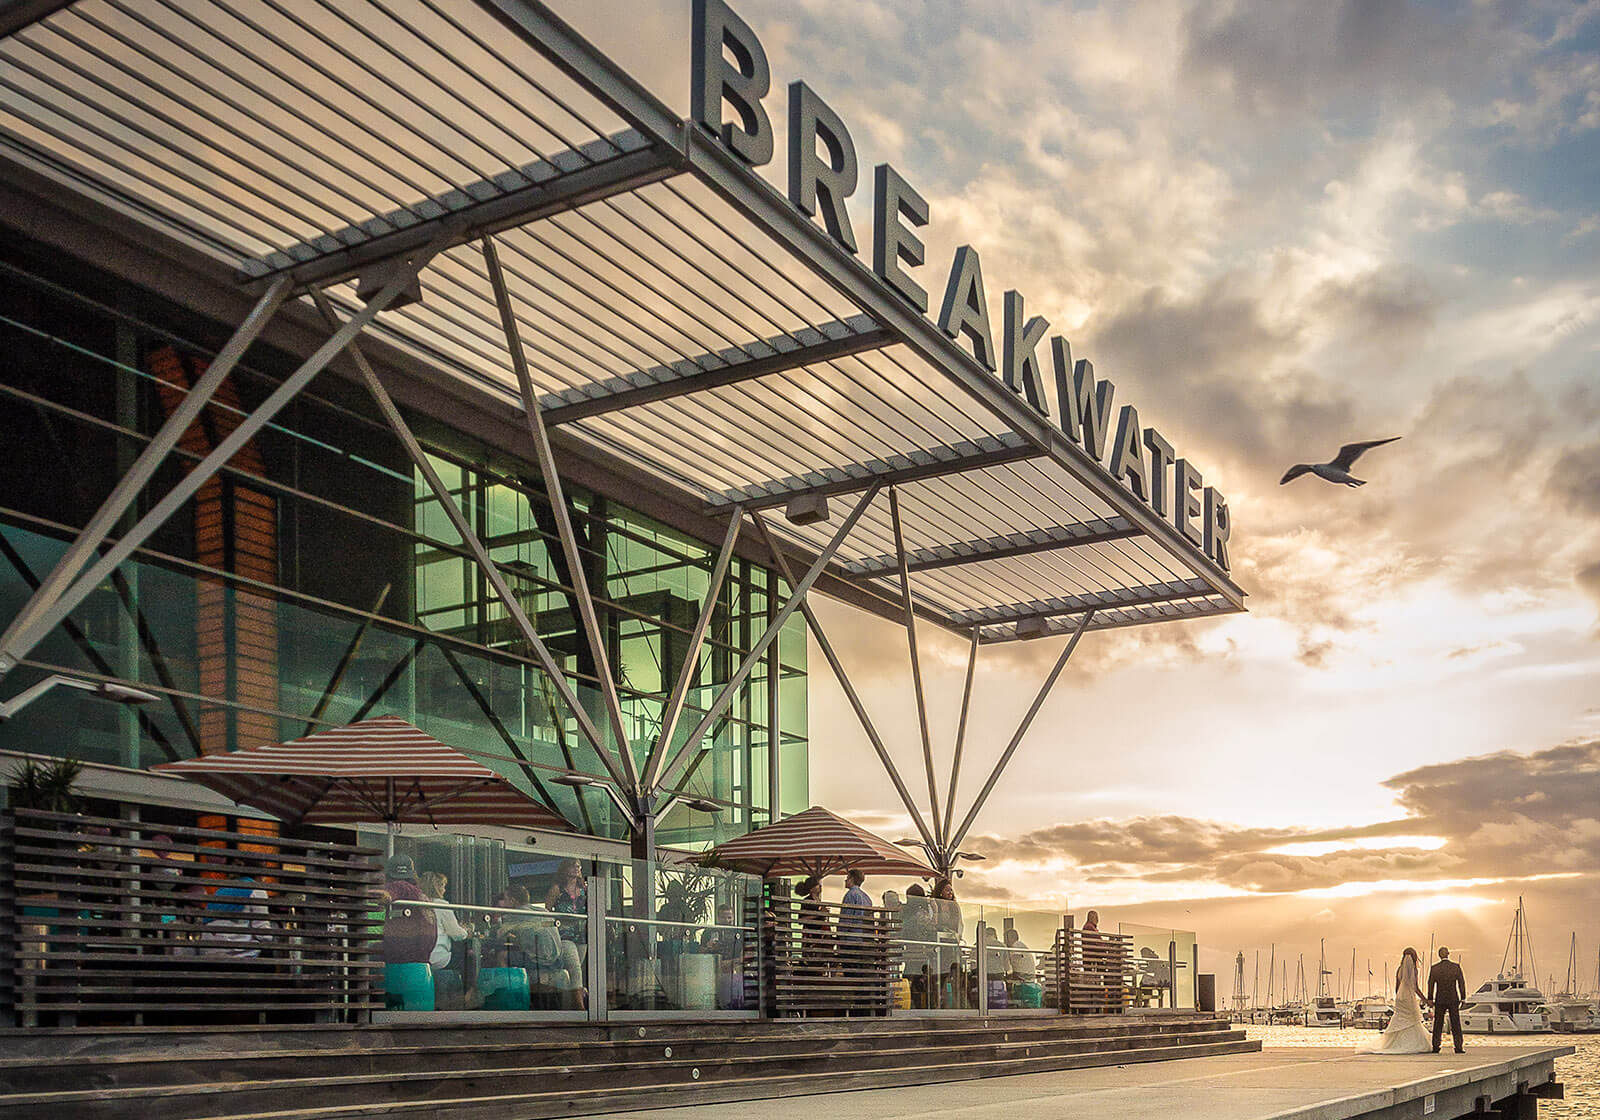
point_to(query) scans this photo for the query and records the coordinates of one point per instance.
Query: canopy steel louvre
(508, 211)
(676, 313)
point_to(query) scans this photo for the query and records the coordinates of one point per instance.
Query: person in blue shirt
(853, 912)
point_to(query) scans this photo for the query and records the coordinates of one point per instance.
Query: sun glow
(1437, 903)
(1361, 843)
(1433, 886)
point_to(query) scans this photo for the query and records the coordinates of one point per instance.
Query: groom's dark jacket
(1447, 987)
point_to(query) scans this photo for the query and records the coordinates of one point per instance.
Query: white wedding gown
(1405, 1033)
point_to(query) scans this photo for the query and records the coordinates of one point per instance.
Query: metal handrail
(432, 904)
(680, 925)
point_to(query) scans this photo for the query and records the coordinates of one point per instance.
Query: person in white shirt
(1020, 961)
(450, 929)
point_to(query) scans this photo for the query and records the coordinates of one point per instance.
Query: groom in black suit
(1447, 987)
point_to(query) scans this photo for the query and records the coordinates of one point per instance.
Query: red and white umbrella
(815, 842)
(381, 769)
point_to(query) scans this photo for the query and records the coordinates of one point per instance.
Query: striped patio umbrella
(815, 842)
(381, 769)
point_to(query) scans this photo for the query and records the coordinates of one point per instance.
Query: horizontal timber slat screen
(1091, 970)
(822, 960)
(122, 922)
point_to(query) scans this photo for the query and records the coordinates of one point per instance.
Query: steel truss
(388, 250)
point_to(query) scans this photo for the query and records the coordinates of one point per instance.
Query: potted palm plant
(49, 786)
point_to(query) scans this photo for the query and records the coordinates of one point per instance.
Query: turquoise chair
(1029, 994)
(408, 986)
(504, 989)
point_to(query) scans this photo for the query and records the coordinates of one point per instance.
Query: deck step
(541, 1106)
(151, 1061)
(463, 1073)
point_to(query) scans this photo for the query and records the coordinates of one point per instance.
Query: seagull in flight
(1339, 470)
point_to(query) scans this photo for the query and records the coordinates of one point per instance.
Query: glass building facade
(317, 581)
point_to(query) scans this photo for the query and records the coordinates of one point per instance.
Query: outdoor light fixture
(106, 690)
(807, 509)
(580, 781)
(1030, 627)
(699, 804)
(969, 855)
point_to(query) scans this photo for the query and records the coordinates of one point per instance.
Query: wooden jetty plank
(1281, 1084)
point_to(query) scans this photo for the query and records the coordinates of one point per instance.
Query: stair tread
(731, 1060)
(1042, 1026)
(799, 1085)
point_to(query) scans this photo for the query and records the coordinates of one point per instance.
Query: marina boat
(1505, 1005)
(1569, 1012)
(1323, 1012)
(1372, 1013)
(1575, 1016)
(1509, 1004)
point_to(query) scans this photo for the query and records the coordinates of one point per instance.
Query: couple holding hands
(1447, 987)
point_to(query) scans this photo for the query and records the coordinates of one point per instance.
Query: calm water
(1580, 1072)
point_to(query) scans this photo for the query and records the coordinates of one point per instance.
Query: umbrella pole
(390, 825)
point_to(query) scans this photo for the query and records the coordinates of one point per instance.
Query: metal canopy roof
(678, 313)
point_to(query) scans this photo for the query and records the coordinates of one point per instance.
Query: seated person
(409, 933)
(727, 944)
(234, 918)
(569, 894)
(531, 942)
(1019, 961)
(917, 934)
(450, 928)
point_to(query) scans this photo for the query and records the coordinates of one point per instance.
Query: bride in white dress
(1405, 1033)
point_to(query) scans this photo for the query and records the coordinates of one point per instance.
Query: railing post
(1066, 964)
(983, 967)
(599, 982)
(1172, 975)
(753, 929)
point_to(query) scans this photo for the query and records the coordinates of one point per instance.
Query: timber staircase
(527, 1071)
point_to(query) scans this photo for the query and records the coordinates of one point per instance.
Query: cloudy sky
(1277, 227)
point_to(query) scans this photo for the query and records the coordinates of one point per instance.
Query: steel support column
(916, 666)
(797, 595)
(850, 693)
(558, 508)
(22, 635)
(30, 635)
(470, 539)
(961, 729)
(1022, 729)
(691, 660)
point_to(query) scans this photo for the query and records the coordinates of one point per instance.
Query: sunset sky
(1277, 228)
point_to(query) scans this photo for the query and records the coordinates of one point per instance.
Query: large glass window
(318, 581)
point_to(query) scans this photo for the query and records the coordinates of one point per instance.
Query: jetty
(1488, 1083)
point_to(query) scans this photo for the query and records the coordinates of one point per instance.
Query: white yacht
(1571, 1014)
(1509, 1004)
(1505, 1005)
(1323, 1011)
(1373, 1012)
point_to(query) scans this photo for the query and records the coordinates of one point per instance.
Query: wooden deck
(1283, 1084)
